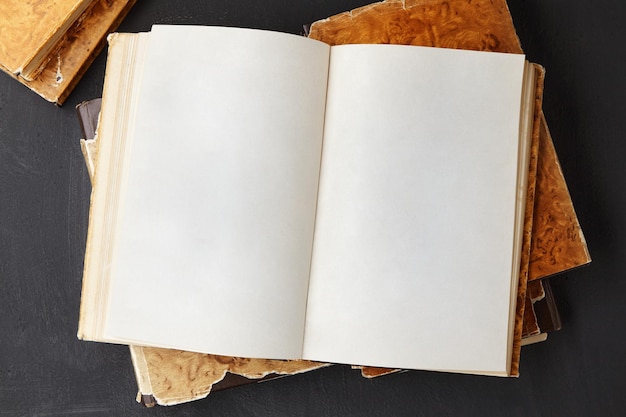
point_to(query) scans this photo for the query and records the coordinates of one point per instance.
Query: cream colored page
(414, 235)
(214, 245)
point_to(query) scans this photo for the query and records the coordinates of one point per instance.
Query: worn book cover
(558, 243)
(74, 50)
(30, 30)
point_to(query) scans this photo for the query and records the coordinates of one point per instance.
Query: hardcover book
(31, 29)
(322, 232)
(68, 54)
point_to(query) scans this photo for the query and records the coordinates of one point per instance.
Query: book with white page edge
(350, 204)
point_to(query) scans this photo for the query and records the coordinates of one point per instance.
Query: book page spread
(410, 242)
(216, 228)
(414, 241)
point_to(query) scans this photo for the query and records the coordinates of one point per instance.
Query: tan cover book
(479, 25)
(72, 53)
(30, 29)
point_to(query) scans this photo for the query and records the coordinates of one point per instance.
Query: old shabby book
(159, 375)
(31, 29)
(67, 55)
(154, 371)
(263, 227)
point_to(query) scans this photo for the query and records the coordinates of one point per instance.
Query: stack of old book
(48, 45)
(508, 308)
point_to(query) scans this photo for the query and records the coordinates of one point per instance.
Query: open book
(265, 195)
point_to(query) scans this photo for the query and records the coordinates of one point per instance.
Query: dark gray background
(44, 202)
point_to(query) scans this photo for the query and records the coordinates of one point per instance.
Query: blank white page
(214, 242)
(413, 246)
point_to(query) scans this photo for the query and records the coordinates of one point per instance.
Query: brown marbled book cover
(558, 243)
